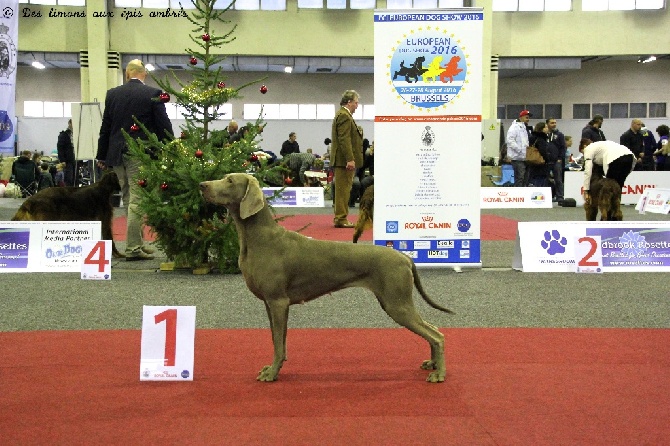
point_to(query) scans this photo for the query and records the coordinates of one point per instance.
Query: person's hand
(587, 198)
(351, 165)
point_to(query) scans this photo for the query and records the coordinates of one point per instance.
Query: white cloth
(517, 141)
(602, 153)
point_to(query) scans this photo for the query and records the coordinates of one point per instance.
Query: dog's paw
(436, 377)
(428, 364)
(553, 243)
(268, 374)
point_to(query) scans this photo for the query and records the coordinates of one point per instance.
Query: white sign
(168, 338)
(635, 246)
(588, 255)
(428, 106)
(44, 246)
(300, 197)
(655, 200)
(96, 260)
(636, 183)
(515, 197)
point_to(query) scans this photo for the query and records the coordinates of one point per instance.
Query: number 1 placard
(168, 338)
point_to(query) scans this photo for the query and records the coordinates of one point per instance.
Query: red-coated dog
(88, 203)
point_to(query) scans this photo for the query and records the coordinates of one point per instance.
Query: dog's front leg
(278, 314)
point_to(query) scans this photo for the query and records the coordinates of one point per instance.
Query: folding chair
(506, 177)
(25, 177)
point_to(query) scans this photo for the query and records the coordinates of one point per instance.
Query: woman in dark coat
(538, 175)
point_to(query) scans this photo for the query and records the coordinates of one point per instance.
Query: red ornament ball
(254, 158)
(164, 97)
(205, 37)
(134, 128)
(193, 61)
(142, 183)
(264, 89)
(198, 153)
(164, 186)
(221, 85)
(288, 181)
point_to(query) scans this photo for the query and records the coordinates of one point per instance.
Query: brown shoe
(139, 255)
(346, 224)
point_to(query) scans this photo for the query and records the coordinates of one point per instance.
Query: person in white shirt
(517, 143)
(606, 158)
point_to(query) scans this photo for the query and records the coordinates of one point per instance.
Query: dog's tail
(22, 215)
(419, 288)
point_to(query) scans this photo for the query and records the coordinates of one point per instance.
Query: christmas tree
(194, 233)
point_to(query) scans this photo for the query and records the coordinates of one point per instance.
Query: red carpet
(343, 386)
(321, 227)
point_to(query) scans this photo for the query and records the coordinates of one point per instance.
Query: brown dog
(283, 268)
(365, 212)
(89, 203)
(605, 196)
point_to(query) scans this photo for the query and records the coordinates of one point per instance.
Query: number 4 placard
(168, 337)
(588, 254)
(96, 259)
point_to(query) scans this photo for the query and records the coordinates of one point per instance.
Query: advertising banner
(299, 197)
(428, 101)
(637, 182)
(624, 246)
(9, 35)
(656, 201)
(41, 246)
(516, 197)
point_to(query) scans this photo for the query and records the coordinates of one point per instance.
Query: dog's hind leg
(617, 215)
(410, 319)
(398, 304)
(277, 310)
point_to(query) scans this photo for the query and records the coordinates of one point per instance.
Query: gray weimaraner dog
(283, 268)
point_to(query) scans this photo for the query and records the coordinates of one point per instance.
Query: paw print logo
(553, 243)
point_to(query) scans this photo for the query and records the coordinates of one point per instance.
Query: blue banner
(9, 32)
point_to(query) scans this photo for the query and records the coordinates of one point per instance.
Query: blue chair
(506, 177)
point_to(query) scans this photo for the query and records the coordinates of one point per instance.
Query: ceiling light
(288, 70)
(149, 67)
(38, 65)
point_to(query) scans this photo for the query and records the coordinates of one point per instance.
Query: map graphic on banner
(428, 101)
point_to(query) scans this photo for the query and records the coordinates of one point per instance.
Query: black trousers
(620, 168)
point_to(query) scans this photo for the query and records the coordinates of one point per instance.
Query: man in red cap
(517, 143)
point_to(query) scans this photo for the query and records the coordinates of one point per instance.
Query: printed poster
(428, 103)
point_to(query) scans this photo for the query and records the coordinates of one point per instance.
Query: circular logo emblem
(7, 52)
(464, 225)
(428, 68)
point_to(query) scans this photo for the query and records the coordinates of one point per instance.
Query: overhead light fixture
(288, 69)
(646, 59)
(149, 67)
(38, 65)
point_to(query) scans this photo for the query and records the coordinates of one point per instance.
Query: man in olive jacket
(346, 155)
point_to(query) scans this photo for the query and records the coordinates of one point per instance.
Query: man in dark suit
(124, 104)
(66, 154)
(345, 155)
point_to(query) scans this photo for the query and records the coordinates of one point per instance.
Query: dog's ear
(253, 200)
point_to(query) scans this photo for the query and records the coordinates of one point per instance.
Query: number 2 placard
(168, 338)
(588, 254)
